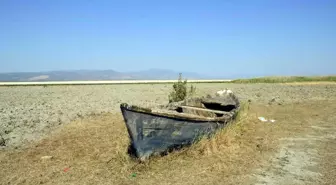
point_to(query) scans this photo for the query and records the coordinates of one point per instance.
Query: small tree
(180, 90)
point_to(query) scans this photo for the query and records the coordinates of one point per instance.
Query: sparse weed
(181, 90)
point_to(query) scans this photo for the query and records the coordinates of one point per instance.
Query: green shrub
(181, 91)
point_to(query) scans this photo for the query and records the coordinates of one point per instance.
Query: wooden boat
(158, 130)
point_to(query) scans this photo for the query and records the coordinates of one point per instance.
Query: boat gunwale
(178, 116)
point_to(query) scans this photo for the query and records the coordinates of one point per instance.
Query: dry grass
(94, 150)
(287, 79)
(309, 83)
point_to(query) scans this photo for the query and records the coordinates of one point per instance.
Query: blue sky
(220, 37)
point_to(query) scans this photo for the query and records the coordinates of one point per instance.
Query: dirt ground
(82, 129)
(30, 113)
(308, 157)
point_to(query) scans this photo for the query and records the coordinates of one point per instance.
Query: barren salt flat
(105, 82)
(27, 113)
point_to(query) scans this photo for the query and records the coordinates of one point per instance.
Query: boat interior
(212, 110)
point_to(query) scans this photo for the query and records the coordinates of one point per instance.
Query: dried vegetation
(91, 149)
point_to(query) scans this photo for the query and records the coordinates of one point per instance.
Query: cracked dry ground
(299, 148)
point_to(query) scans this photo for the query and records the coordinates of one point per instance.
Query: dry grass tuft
(93, 151)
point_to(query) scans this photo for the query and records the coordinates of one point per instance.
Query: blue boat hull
(154, 134)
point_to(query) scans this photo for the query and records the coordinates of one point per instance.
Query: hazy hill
(151, 74)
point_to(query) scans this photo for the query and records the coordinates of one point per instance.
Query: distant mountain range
(83, 75)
